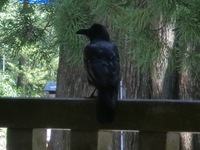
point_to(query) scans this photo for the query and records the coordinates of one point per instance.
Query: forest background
(158, 42)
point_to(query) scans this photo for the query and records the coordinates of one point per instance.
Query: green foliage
(106, 11)
(69, 17)
(145, 43)
(188, 23)
(188, 35)
(26, 26)
(2, 3)
(36, 32)
(7, 85)
(28, 33)
(120, 18)
(164, 8)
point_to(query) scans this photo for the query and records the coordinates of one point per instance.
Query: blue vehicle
(37, 1)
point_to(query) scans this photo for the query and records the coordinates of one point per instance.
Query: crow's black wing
(101, 60)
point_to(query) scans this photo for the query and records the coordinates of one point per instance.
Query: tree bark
(20, 79)
(131, 140)
(166, 78)
(189, 89)
(71, 82)
(138, 85)
(59, 140)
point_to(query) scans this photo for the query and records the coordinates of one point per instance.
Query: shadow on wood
(19, 139)
(152, 140)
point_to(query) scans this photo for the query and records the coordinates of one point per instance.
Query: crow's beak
(82, 31)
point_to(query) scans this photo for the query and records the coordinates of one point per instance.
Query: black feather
(101, 61)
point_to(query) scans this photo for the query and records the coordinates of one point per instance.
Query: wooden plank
(173, 141)
(144, 115)
(39, 137)
(152, 140)
(84, 140)
(19, 139)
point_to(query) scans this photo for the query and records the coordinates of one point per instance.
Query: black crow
(101, 59)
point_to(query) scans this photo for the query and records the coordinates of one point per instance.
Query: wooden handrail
(79, 113)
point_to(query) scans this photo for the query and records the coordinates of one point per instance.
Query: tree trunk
(60, 140)
(20, 79)
(189, 89)
(165, 80)
(138, 85)
(131, 140)
(186, 138)
(71, 82)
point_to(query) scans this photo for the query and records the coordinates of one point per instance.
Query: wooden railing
(77, 114)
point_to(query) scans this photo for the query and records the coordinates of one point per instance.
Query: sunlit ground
(3, 138)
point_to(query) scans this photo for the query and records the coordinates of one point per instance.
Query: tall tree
(26, 37)
(71, 82)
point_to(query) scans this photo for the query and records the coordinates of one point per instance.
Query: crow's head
(95, 32)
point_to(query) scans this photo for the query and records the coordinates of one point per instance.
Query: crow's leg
(92, 95)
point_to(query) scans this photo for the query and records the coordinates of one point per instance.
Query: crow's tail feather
(106, 104)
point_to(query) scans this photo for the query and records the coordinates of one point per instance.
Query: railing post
(152, 140)
(39, 137)
(173, 141)
(19, 139)
(84, 140)
(105, 140)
